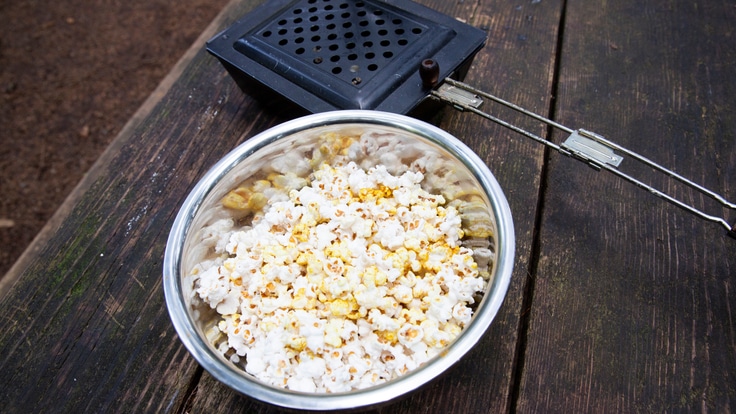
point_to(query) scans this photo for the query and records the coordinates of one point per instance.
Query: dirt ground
(71, 74)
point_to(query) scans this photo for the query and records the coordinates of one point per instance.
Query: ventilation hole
(352, 40)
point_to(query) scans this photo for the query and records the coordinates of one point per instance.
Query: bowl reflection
(289, 154)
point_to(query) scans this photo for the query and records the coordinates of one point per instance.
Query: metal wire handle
(586, 146)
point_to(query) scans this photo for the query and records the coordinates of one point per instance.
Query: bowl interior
(399, 143)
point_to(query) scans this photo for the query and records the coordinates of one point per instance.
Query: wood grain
(516, 63)
(619, 302)
(632, 308)
(84, 326)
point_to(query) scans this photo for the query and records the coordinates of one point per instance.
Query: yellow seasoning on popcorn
(355, 278)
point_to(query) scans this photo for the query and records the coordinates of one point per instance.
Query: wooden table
(619, 301)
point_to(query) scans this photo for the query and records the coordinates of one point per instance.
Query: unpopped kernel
(355, 278)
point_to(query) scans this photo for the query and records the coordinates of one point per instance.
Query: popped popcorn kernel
(340, 307)
(295, 342)
(388, 337)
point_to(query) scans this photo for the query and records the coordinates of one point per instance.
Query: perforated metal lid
(345, 54)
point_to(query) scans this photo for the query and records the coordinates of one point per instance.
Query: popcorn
(346, 277)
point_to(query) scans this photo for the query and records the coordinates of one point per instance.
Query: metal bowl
(202, 207)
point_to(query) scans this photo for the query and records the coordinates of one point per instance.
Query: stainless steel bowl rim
(236, 378)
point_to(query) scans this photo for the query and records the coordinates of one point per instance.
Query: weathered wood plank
(632, 308)
(517, 63)
(84, 326)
